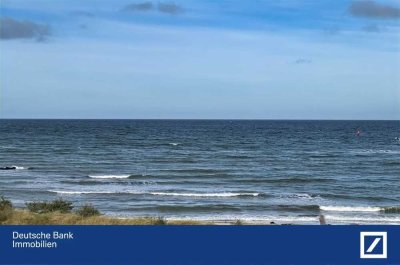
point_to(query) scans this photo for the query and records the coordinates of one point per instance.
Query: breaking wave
(350, 209)
(222, 194)
(390, 209)
(109, 176)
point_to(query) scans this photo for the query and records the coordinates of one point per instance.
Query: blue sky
(286, 59)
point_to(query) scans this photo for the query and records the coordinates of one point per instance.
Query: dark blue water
(256, 171)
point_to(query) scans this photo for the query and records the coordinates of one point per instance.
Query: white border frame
(363, 255)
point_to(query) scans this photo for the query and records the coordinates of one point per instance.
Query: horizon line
(203, 119)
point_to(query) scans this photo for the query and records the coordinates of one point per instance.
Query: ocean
(256, 171)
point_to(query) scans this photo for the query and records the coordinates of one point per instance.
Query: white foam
(174, 144)
(250, 219)
(93, 192)
(381, 151)
(362, 219)
(350, 209)
(222, 194)
(303, 196)
(280, 219)
(18, 168)
(256, 219)
(77, 192)
(109, 176)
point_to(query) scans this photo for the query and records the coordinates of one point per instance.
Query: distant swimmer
(322, 220)
(358, 132)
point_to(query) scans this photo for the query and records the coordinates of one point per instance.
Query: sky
(200, 59)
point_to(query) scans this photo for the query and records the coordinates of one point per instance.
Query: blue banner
(178, 245)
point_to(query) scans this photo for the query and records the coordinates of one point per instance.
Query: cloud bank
(371, 9)
(145, 6)
(81, 13)
(169, 8)
(302, 61)
(15, 29)
(166, 8)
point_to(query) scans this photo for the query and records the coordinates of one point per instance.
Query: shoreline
(25, 217)
(62, 212)
(22, 216)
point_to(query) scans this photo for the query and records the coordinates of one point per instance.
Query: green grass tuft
(58, 205)
(58, 212)
(6, 209)
(87, 210)
(238, 222)
(159, 221)
(4, 203)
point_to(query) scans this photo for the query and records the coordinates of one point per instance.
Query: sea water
(219, 170)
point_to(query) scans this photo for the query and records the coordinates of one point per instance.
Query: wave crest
(221, 194)
(66, 192)
(350, 208)
(109, 176)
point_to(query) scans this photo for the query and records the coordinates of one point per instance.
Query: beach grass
(24, 217)
(59, 212)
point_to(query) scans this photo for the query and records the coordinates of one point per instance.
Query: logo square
(373, 245)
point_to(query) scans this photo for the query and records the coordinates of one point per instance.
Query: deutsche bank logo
(373, 245)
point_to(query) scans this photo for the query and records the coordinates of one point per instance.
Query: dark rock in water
(8, 168)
